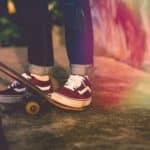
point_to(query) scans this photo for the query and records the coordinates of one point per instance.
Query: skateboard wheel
(32, 108)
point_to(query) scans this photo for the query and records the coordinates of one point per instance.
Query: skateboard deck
(16, 76)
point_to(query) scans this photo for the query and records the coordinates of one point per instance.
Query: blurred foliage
(55, 12)
(9, 31)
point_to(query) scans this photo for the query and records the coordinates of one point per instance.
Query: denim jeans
(33, 16)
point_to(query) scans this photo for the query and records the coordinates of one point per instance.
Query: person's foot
(16, 91)
(76, 92)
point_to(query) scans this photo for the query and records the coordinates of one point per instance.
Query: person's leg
(79, 34)
(33, 17)
(79, 41)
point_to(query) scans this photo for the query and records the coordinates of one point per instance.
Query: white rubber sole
(70, 102)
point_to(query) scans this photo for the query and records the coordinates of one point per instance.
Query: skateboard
(32, 103)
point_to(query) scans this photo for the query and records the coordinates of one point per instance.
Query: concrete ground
(99, 127)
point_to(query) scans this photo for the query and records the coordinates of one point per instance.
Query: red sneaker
(16, 91)
(76, 92)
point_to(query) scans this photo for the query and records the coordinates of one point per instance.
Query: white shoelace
(14, 84)
(74, 82)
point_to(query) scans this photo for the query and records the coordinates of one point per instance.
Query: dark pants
(78, 27)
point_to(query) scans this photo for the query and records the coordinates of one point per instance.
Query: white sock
(78, 69)
(40, 70)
